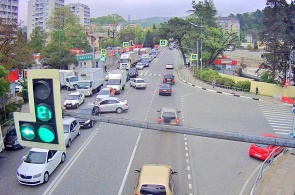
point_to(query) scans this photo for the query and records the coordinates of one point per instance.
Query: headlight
(74, 103)
(37, 175)
(17, 173)
(88, 121)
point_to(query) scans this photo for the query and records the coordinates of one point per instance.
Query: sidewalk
(279, 177)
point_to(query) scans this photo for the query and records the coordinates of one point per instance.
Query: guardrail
(268, 162)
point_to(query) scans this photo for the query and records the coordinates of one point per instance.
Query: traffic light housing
(42, 127)
(194, 57)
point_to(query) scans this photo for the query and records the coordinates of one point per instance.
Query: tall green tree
(149, 39)
(37, 39)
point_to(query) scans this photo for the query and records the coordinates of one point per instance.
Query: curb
(220, 92)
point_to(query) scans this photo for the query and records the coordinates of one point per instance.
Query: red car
(262, 151)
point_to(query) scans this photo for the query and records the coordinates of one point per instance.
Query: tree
(37, 39)
(149, 39)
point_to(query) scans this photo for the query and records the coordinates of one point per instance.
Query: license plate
(164, 90)
(69, 106)
(9, 146)
(258, 155)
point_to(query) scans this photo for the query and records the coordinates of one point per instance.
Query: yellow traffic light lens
(27, 131)
(44, 112)
(46, 133)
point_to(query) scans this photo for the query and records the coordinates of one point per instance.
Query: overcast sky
(149, 8)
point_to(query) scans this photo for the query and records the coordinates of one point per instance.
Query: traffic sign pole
(292, 133)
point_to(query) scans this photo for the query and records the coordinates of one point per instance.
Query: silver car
(112, 104)
(138, 83)
(71, 129)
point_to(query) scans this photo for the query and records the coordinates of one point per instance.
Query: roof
(116, 71)
(67, 120)
(75, 93)
(155, 174)
(109, 98)
(138, 79)
(87, 70)
(39, 150)
(168, 109)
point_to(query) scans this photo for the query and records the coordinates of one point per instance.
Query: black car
(169, 79)
(133, 72)
(88, 123)
(165, 89)
(10, 140)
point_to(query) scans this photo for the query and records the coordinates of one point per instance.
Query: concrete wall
(266, 89)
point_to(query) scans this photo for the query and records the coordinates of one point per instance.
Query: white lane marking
(189, 176)
(190, 186)
(249, 178)
(140, 74)
(150, 74)
(186, 148)
(129, 164)
(67, 167)
(187, 160)
(185, 138)
(186, 154)
(185, 143)
(275, 129)
(188, 168)
(155, 74)
(282, 133)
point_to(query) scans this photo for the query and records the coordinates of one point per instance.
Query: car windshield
(153, 189)
(262, 145)
(168, 76)
(132, 70)
(139, 64)
(83, 85)
(144, 60)
(66, 128)
(72, 97)
(165, 87)
(103, 92)
(124, 60)
(114, 82)
(85, 111)
(73, 79)
(169, 115)
(35, 157)
(140, 81)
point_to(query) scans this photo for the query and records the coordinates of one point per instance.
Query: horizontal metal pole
(188, 130)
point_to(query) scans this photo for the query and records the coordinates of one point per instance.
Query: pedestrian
(105, 68)
(256, 91)
(213, 83)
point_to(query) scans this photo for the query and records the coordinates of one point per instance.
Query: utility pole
(201, 59)
(93, 39)
(291, 62)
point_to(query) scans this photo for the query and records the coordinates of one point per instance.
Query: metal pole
(201, 46)
(93, 60)
(198, 54)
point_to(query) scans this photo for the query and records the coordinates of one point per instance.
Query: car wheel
(119, 110)
(68, 88)
(69, 143)
(91, 124)
(130, 85)
(46, 177)
(77, 105)
(63, 158)
(79, 133)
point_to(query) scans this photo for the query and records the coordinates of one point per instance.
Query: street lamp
(195, 25)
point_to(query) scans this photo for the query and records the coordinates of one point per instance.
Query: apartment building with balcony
(9, 11)
(39, 11)
(83, 12)
(230, 24)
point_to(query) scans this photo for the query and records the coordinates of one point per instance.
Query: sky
(140, 9)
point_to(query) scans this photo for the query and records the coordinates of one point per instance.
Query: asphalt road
(103, 159)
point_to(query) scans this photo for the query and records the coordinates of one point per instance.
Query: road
(103, 159)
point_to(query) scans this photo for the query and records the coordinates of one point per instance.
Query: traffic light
(287, 83)
(42, 127)
(194, 57)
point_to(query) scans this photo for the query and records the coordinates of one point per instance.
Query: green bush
(246, 85)
(228, 82)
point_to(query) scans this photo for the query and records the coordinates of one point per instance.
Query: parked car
(105, 92)
(262, 151)
(139, 66)
(10, 139)
(38, 165)
(169, 79)
(111, 104)
(168, 116)
(169, 66)
(71, 129)
(165, 89)
(155, 179)
(74, 100)
(138, 83)
(87, 110)
(133, 72)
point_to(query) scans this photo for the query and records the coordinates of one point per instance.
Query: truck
(90, 80)
(68, 79)
(127, 60)
(117, 80)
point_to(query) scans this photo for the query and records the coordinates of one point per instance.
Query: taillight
(159, 120)
(177, 121)
(160, 90)
(164, 80)
(173, 80)
(169, 91)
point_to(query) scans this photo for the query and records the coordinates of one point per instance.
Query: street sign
(102, 59)
(125, 44)
(85, 57)
(103, 52)
(194, 57)
(42, 127)
(163, 42)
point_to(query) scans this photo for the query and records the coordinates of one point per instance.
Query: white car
(74, 100)
(169, 66)
(105, 92)
(71, 129)
(38, 164)
(138, 83)
(139, 66)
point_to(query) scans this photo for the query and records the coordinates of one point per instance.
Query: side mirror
(178, 111)
(174, 173)
(49, 160)
(136, 171)
(23, 158)
(158, 110)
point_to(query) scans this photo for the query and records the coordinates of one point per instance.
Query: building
(9, 11)
(39, 11)
(230, 24)
(83, 12)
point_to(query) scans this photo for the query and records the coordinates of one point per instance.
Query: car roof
(68, 120)
(170, 63)
(168, 75)
(155, 174)
(75, 93)
(138, 79)
(109, 98)
(39, 150)
(165, 85)
(106, 88)
(168, 109)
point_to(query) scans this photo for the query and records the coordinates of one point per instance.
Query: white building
(230, 24)
(83, 12)
(9, 10)
(39, 11)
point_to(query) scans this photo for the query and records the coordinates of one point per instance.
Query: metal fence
(268, 162)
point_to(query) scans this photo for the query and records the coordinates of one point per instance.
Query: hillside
(148, 22)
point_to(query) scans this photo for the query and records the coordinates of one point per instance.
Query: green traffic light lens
(44, 112)
(46, 133)
(27, 131)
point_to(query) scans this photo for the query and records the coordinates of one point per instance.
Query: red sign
(77, 51)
